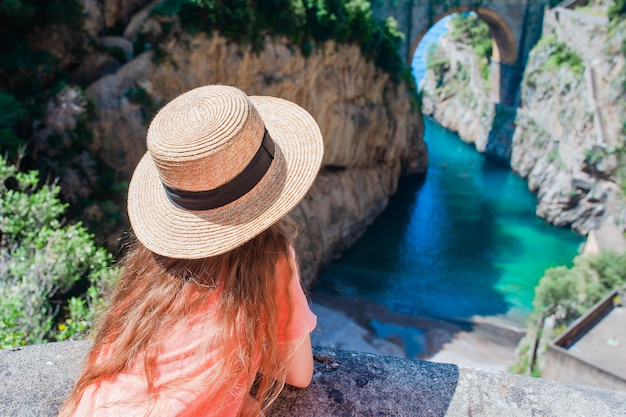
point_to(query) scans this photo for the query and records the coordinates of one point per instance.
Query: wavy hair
(156, 294)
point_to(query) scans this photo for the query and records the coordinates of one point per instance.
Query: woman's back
(186, 354)
(209, 302)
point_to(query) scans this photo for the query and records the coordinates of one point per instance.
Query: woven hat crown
(204, 138)
(221, 168)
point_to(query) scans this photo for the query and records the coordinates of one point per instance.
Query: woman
(209, 318)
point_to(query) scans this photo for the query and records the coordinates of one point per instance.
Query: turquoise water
(461, 242)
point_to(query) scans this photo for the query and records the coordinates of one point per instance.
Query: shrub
(469, 29)
(558, 291)
(560, 55)
(620, 173)
(139, 95)
(41, 259)
(569, 292)
(617, 11)
(11, 114)
(437, 62)
(303, 22)
(553, 155)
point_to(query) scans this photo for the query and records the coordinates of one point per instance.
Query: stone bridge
(515, 26)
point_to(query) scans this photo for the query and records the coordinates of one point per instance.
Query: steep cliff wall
(569, 126)
(371, 134)
(455, 94)
(568, 129)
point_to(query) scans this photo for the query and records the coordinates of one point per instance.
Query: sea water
(461, 242)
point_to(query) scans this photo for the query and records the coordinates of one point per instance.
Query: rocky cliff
(455, 94)
(371, 133)
(568, 136)
(569, 126)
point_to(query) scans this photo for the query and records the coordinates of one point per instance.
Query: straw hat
(221, 167)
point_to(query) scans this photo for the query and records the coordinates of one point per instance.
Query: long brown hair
(155, 294)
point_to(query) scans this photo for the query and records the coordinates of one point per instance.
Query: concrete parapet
(36, 378)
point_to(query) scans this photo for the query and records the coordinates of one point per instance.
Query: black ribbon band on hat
(232, 190)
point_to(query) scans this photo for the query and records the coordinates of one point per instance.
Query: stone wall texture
(37, 378)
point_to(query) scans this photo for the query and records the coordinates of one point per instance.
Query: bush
(620, 173)
(560, 55)
(41, 260)
(558, 291)
(437, 62)
(617, 11)
(304, 22)
(469, 29)
(11, 114)
(570, 292)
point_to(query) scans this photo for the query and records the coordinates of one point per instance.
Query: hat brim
(178, 233)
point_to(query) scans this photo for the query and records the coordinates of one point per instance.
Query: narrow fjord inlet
(461, 243)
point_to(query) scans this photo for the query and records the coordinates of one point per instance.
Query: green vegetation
(620, 173)
(617, 12)
(304, 22)
(34, 75)
(560, 55)
(553, 155)
(41, 259)
(138, 95)
(570, 292)
(523, 366)
(437, 62)
(590, 10)
(12, 113)
(469, 29)
(567, 293)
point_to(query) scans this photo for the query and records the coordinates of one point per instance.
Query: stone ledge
(36, 378)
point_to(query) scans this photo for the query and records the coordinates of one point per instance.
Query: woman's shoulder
(286, 265)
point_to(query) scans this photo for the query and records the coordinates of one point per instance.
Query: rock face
(455, 94)
(568, 136)
(371, 134)
(569, 123)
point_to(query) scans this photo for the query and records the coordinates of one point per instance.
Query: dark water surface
(461, 242)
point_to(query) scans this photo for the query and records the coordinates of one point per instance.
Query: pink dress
(118, 396)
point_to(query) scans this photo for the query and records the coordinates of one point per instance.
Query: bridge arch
(515, 27)
(504, 44)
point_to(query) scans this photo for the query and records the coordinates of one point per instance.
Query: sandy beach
(360, 325)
